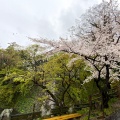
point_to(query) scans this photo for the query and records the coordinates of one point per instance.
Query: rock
(6, 114)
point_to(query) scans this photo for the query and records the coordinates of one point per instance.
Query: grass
(97, 112)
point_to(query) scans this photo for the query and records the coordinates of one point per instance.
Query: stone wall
(114, 116)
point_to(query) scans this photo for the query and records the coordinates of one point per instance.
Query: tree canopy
(96, 37)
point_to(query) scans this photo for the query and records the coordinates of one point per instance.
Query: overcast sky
(20, 19)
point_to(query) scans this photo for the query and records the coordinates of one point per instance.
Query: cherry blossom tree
(96, 37)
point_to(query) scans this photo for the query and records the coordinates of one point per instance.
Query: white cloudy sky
(20, 19)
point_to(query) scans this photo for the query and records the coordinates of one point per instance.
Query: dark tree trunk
(105, 99)
(105, 95)
(107, 77)
(104, 91)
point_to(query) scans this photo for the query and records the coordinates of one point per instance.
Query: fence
(28, 116)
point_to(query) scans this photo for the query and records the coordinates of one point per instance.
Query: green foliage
(18, 69)
(26, 77)
(12, 85)
(66, 77)
(84, 111)
(24, 104)
(13, 80)
(61, 75)
(88, 89)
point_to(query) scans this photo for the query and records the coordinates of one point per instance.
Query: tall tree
(9, 67)
(16, 66)
(62, 81)
(96, 37)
